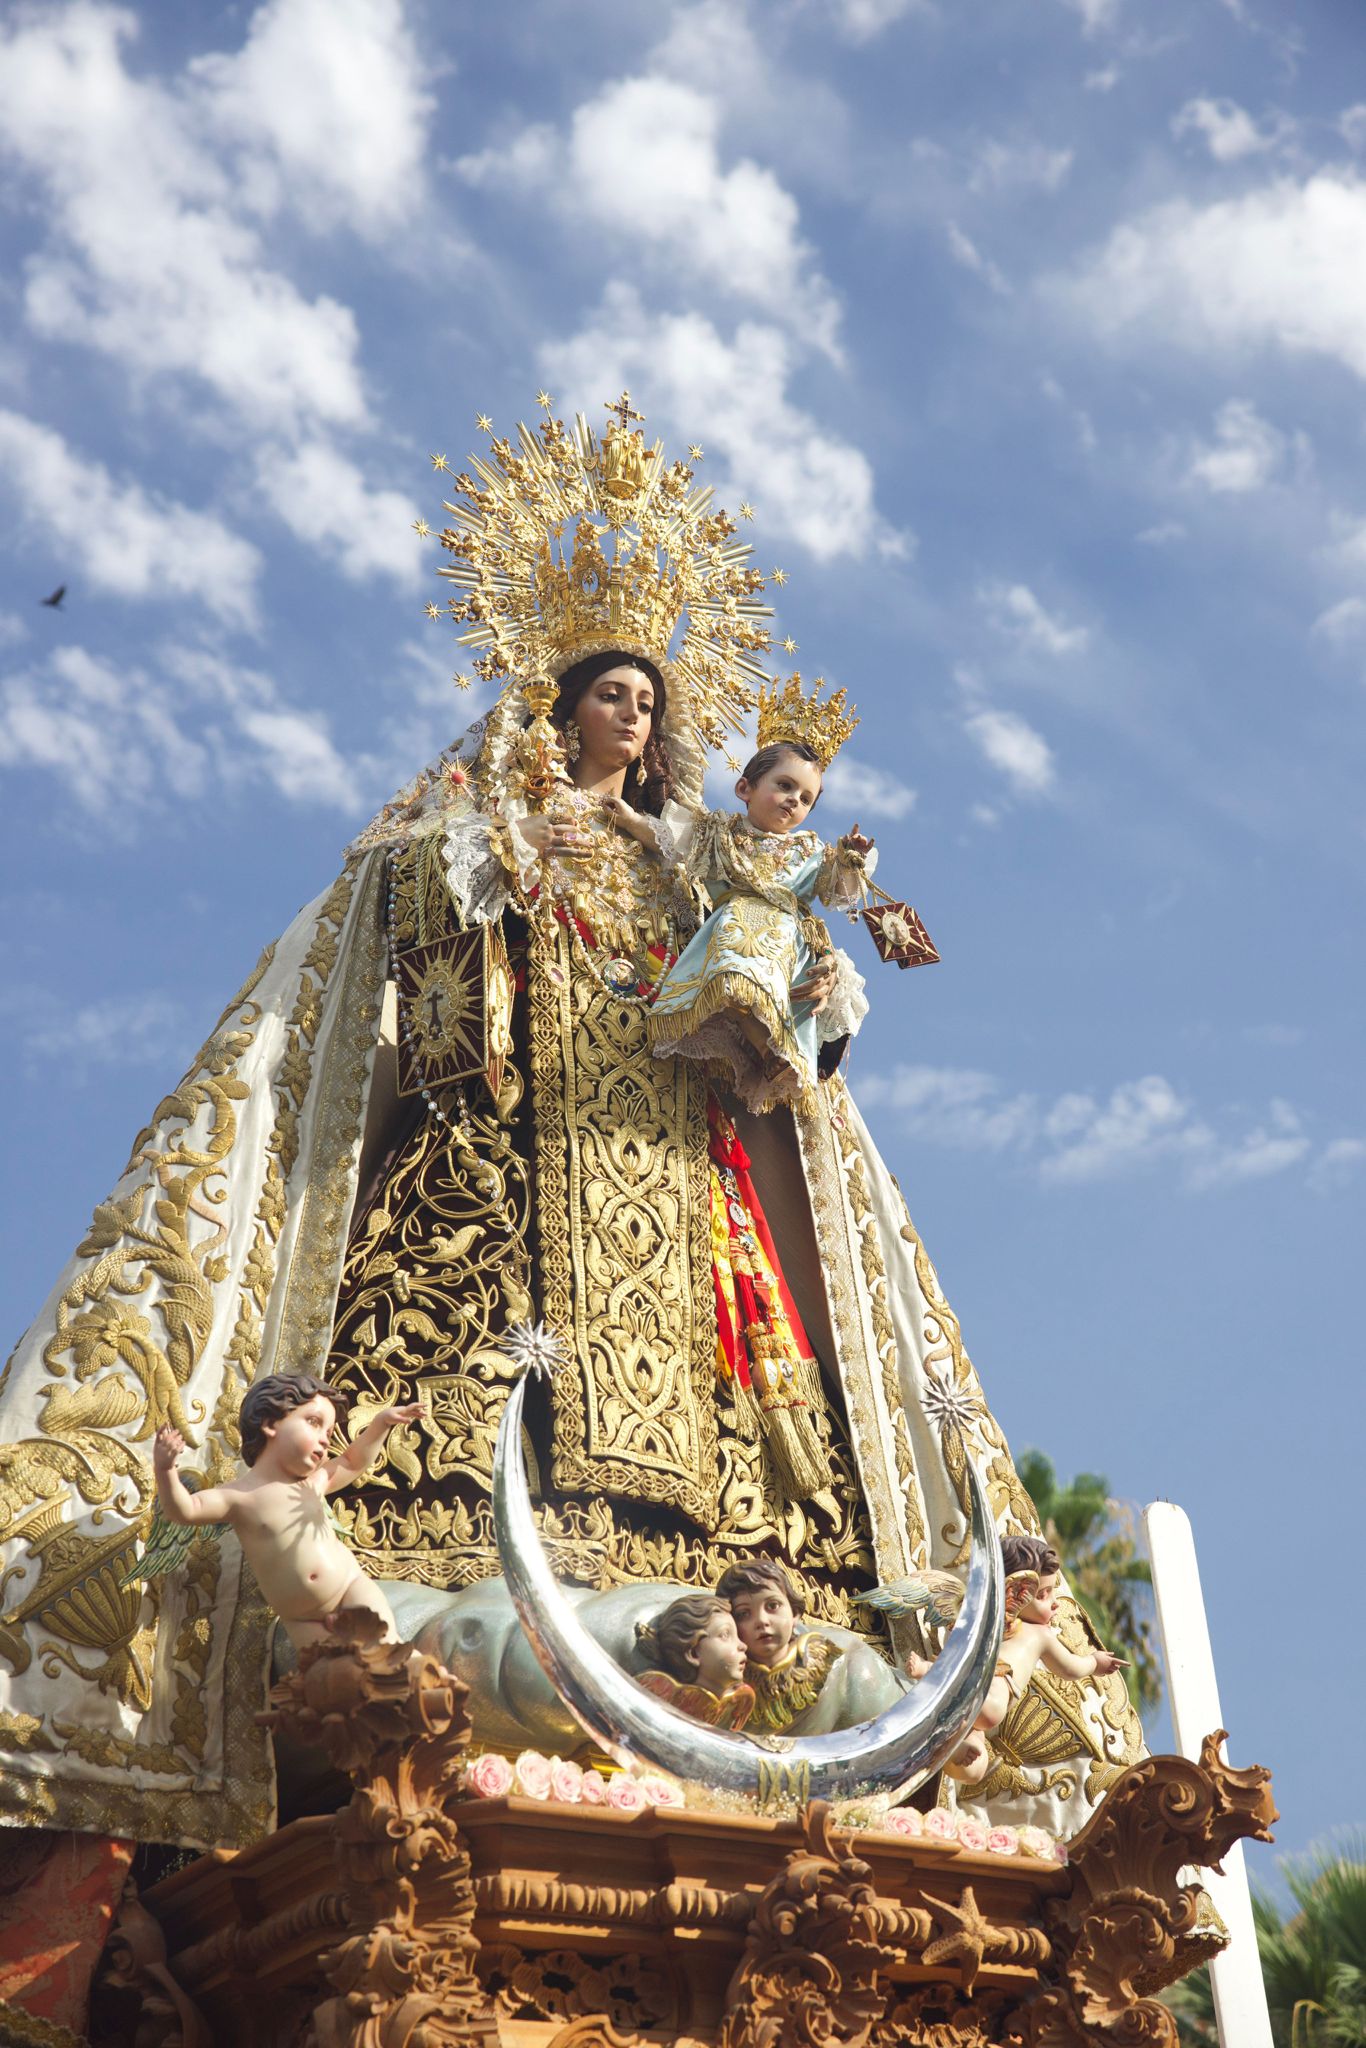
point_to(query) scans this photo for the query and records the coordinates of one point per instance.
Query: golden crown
(646, 551)
(822, 725)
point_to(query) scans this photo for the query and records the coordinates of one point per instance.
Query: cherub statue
(703, 1659)
(277, 1508)
(805, 1681)
(1030, 1638)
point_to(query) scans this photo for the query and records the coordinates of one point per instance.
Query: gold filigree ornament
(564, 542)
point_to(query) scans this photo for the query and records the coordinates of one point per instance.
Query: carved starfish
(965, 1944)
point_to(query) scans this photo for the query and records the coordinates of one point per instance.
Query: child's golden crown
(819, 723)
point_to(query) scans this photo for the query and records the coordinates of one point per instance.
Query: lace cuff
(475, 875)
(675, 830)
(848, 1004)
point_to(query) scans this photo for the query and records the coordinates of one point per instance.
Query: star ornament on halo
(534, 1349)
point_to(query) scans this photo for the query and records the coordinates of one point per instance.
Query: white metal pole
(1236, 1974)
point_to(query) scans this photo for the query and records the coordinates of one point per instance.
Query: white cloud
(805, 482)
(1337, 1165)
(120, 537)
(1013, 608)
(1343, 621)
(1352, 127)
(150, 259)
(865, 791)
(328, 98)
(1022, 755)
(964, 251)
(1228, 130)
(324, 499)
(1279, 267)
(642, 161)
(12, 629)
(1016, 167)
(1159, 536)
(1245, 455)
(128, 742)
(1103, 80)
(861, 20)
(117, 1030)
(1078, 1139)
(1095, 14)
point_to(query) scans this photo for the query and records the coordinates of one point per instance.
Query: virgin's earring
(572, 742)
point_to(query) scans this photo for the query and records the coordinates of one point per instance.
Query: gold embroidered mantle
(129, 1710)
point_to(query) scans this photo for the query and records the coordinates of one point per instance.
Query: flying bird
(56, 598)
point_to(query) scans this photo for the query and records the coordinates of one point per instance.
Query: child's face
(298, 1443)
(1042, 1605)
(720, 1655)
(765, 1621)
(781, 798)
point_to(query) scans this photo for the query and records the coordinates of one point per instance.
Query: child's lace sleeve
(848, 1004)
(842, 875)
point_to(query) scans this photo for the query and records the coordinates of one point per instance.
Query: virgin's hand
(817, 986)
(551, 836)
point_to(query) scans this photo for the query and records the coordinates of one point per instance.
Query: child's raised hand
(1107, 1661)
(167, 1446)
(403, 1411)
(855, 842)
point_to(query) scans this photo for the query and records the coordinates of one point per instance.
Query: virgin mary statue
(429, 1132)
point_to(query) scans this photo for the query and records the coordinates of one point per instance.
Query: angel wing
(935, 1596)
(167, 1544)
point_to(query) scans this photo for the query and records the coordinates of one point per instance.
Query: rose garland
(560, 1780)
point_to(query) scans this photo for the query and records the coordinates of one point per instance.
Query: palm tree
(1096, 1538)
(1313, 1964)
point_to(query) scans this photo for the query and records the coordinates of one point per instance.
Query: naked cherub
(277, 1508)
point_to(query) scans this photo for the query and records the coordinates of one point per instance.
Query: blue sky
(1036, 332)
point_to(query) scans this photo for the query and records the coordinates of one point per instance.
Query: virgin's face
(613, 717)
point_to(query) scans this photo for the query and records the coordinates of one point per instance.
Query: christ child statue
(277, 1507)
(703, 1660)
(760, 995)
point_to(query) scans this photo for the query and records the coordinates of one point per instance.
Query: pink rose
(660, 1791)
(904, 1820)
(532, 1774)
(593, 1788)
(624, 1795)
(1036, 1842)
(1004, 1841)
(566, 1780)
(1060, 1852)
(941, 1825)
(972, 1834)
(488, 1776)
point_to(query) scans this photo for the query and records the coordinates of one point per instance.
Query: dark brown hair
(769, 757)
(759, 1575)
(678, 1630)
(1030, 1554)
(650, 780)
(277, 1395)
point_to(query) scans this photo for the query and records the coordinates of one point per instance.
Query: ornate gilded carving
(969, 1938)
(135, 1961)
(809, 1972)
(405, 1973)
(1128, 1926)
(937, 2016)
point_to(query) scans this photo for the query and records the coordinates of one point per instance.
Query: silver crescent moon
(889, 1755)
